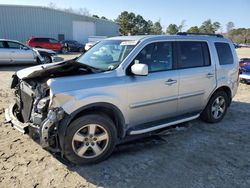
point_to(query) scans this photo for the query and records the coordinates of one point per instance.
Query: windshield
(107, 54)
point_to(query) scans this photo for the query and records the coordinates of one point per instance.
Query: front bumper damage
(42, 131)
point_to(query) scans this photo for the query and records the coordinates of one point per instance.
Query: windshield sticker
(129, 42)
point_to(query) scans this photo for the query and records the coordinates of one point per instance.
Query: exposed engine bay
(33, 106)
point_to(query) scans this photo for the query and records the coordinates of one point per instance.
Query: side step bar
(11, 118)
(156, 127)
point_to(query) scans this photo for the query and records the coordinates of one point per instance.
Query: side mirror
(139, 69)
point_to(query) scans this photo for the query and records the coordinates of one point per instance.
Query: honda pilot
(124, 87)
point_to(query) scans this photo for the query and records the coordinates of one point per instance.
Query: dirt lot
(195, 154)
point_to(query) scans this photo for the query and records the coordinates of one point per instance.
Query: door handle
(170, 82)
(210, 75)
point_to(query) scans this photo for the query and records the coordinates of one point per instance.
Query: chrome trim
(154, 101)
(161, 100)
(163, 125)
(191, 94)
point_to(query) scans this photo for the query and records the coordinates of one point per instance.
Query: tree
(131, 24)
(240, 35)
(193, 29)
(52, 5)
(182, 25)
(172, 29)
(103, 17)
(83, 11)
(125, 22)
(209, 27)
(229, 26)
(95, 16)
(156, 29)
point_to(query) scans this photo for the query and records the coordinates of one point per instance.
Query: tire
(81, 145)
(216, 107)
(47, 59)
(82, 50)
(64, 50)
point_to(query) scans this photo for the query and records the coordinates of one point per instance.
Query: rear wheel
(90, 139)
(216, 107)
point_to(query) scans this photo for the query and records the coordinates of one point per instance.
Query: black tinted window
(193, 54)
(1, 45)
(158, 56)
(224, 53)
(15, 45)
(41, 40)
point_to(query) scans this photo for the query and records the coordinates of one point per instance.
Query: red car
(47, 43)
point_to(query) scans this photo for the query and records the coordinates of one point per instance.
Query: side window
(224, 53)
(53, 41)
(193, 54)
(158, 56)
(15, 45)
(1, 44)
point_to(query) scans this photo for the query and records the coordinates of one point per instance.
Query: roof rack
(208, 34)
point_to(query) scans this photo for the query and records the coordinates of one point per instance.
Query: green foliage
(240, 35)
(131, 24)
(193, 29)
(95, 16)
(172, 29)
(209, 27)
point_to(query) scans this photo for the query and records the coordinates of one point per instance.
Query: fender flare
(68, 118)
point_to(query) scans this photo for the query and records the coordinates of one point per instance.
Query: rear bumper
(15, 122)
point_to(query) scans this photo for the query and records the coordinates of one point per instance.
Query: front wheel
(46, 59)
(90, 139)
(216, 108)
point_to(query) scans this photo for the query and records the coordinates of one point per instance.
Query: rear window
(224, 53)
(40, 39)
(193, 54)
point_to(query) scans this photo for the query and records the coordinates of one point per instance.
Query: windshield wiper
(89, 67)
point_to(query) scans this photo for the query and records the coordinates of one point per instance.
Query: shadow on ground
(193, 154)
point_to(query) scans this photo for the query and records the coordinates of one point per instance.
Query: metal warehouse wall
(22, 22)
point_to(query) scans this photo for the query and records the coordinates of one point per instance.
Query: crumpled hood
(52, 70)
(44, 50)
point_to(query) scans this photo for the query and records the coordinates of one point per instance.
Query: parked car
(47, 43)
(122, 88)
(73, 46)
(236, 45)
(245, 70)
(14, 52)
(92, 40)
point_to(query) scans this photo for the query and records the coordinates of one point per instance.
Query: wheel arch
(110, 110)
(226, 89)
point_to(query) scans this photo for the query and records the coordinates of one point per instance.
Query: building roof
(51, 9)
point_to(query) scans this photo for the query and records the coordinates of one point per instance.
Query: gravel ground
(194, 154)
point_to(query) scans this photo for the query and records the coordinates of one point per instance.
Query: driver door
(20, 53)
(153, 97)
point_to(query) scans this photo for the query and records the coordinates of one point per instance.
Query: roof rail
(209, 34)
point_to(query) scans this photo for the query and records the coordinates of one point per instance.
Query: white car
(14, 52)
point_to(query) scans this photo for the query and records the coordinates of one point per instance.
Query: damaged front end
(38, 109)
(32, 113)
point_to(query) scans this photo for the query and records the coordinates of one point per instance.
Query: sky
(194, 12)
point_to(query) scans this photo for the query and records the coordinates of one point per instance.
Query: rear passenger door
(197, 75)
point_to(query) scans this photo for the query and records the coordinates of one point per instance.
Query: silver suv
(121, 88)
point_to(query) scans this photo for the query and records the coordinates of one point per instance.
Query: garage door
(82, 30)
